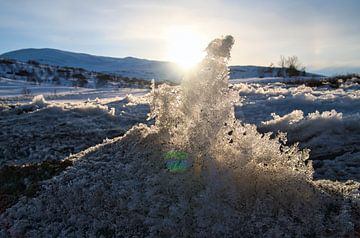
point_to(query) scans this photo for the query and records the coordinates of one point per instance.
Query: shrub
(25, 91)
(33, 62)
(291, 66)
(79, 76)
(7, 61)
(22, 73)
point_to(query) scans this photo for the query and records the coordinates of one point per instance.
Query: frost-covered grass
(42, 130)
(122, 188)
(18, 181)
(323, 119)
(37, 137)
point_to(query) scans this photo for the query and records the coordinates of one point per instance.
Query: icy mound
(122, 188)
(242, 183)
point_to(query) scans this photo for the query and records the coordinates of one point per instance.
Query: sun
(185, 47)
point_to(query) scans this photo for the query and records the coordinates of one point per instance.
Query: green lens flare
(173, 154)
(177, 161)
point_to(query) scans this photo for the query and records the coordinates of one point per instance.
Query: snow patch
(39, 101)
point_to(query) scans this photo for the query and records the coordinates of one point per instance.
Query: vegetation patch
(17, 181)
(333, 82)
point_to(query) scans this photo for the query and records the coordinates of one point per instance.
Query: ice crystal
(198, 116)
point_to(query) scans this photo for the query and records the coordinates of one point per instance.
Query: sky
(324, 34)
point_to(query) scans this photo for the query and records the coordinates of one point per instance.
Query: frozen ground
(38, 128)
(14, 90)
(52, 126)
(69, 123)
(116, 184)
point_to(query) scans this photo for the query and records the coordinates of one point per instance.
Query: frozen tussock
(332, 137)
(296, 119)
(326, 133)
(259, 101)
(39, 101)
(187, 113)
(122, 188)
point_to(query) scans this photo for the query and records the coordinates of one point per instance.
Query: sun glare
(185, 48)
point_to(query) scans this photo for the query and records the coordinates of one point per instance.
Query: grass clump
(17, 181)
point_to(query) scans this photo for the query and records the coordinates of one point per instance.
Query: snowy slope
(30, 78)
(129, 66)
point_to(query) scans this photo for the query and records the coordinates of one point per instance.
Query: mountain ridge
(128, 66)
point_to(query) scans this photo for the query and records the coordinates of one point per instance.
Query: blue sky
(324, 34)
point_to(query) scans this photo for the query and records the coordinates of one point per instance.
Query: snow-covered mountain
(128, 66)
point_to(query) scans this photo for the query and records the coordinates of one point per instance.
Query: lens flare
(185, 47)
(176, 161)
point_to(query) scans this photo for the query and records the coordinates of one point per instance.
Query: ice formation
(199, 115)
(192, 116)
(237, 165)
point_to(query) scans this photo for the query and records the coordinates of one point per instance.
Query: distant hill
(128, 66)
(40, 74)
